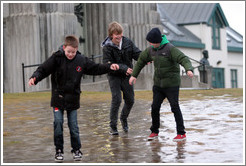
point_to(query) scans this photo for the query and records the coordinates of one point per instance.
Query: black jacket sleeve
(107, 56)
(108, 59)
(93, 68)
(45, 69)
(136, 52)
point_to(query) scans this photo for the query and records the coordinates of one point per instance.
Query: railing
(93, 58)
(23, 73)
(203, 67)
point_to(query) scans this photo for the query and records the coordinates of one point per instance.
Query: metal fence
(98, 59)
(94, 58)
(200, 65)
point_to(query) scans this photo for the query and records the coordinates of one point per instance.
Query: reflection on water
(155, 147)
(181, 152)
(163, 152)
(214, 134)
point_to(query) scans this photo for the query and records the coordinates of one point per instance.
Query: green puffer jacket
(167, 59)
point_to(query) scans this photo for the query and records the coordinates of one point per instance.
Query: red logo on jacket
(78, 69)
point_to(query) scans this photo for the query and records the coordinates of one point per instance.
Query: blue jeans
(73, 127)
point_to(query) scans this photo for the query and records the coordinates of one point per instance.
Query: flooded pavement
(214, 129)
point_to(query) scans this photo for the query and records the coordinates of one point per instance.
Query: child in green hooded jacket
(167, 59)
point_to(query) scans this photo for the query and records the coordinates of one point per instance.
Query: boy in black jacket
(121, 50)
(66, 67)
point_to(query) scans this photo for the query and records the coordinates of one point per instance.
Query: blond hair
(114, 27)
(72, 41)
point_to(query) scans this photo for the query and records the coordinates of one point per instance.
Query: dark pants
(172, 94)
(118, 84)
(73, 127)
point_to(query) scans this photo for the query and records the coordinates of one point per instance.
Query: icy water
(215, 134)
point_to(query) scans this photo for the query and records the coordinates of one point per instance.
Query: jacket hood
(108, 42)
(61, 48)
(163, 42)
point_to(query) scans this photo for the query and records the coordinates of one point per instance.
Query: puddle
(214, 134)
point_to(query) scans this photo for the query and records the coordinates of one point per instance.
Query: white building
(194, 27)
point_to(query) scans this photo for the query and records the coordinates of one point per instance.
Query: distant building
(32, 31)
(194, 27)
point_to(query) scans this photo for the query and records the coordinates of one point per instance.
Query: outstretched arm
(109, 58)
(132, 80)
(135, 52)
(114, 67)
(183, 60)
(190, 73)
(32, 81)
(44, 70)
(93, 68)
(143, 59)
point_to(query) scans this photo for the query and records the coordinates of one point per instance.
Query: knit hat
(154, 36)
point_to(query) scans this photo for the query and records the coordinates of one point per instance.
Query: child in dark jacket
(121, 50)
(66, 67)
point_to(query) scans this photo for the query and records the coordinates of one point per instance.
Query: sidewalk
(214, 134)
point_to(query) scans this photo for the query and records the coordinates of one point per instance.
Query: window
(216, 25)
(233, 78)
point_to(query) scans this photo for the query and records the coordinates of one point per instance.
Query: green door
(218, 78)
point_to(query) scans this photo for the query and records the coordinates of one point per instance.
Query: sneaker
(124, 125)
(77, 155)
(59, 156)
(113, 132)
(179, 137)
(152, 136)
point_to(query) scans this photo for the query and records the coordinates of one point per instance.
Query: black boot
(113, 131)
(124, 124)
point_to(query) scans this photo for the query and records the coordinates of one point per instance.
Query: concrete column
(23, 45)
(102, 26)
(32, 32)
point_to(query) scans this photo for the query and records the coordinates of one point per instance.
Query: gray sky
(235, 14)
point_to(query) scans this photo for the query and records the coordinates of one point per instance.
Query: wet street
(214, 126)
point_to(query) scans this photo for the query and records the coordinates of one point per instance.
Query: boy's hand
(129, 71)
(31, 81)
(149, 62)
(190, 74)
(132, 80)
(114, 67)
